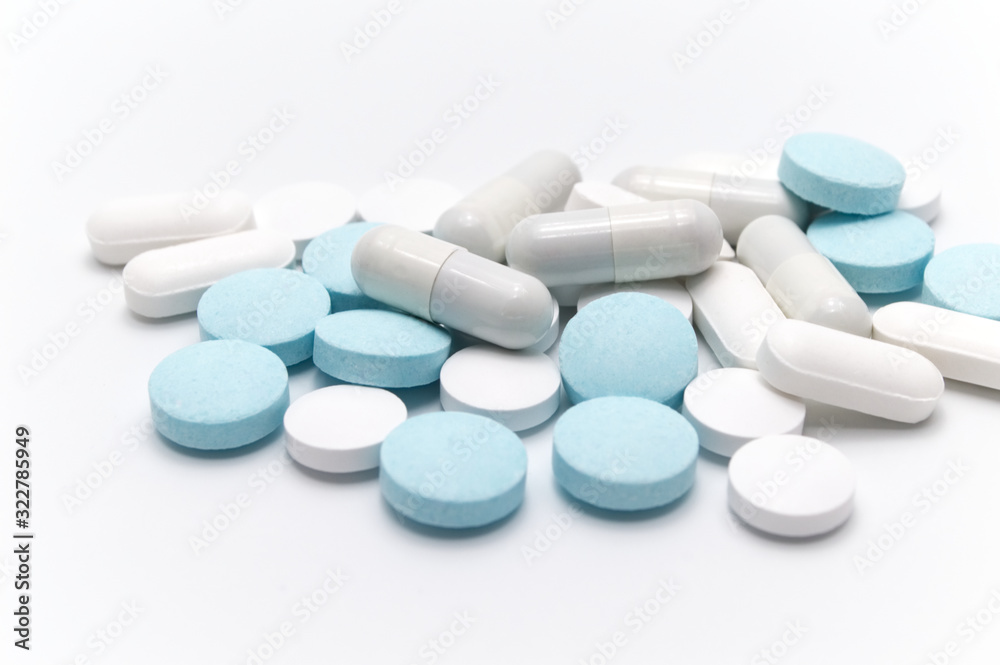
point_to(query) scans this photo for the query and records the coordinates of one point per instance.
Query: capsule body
(481, 221)
(735, 206)
(446, 284)
(636, 242)
(804, 283)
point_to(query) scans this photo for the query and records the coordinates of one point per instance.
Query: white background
(129, 542)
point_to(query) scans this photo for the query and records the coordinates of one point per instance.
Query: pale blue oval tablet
(628, 345)
(380, 348)
(453, 470)
(965, 279)
(841, 173)
(218, 395)
(881, 254)
(273, 307)
(328, 258)
(624, 453)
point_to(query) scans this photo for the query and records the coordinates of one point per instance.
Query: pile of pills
(376, 292)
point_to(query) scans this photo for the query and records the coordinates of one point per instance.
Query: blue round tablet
(841, 173)
(881, 254)
(328, 258)
(380, 348)
(965, 279)
(453, 470)
(218, 395)
(624, 453)
(631, 345)
(273, 307)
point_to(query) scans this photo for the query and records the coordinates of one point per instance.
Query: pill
(961, 346)
(966, 279)
(328, 259)
(921, 195)
(596, 194)
(842, 173)
(628, 345)
(445, 284)
(732, 406)
(880, 254)
(624, 453)
(170, 280)
(804, 283)
(304, 210)
(218, 395)
(568, 295)
(453, 470)
(852, 372)
(636, 242)
(551, 335)
(124, 228)
(414, 203)
(340, 429)
(727, 253)
(516, 388)
(379, 348)
(481, 221)
(274, 307)
(733, 311)
(736, 206)
(668, 290)
(792, 486)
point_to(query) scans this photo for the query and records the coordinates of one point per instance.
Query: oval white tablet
(733, 311)
(789, 485)
(305, 210)
(415, 203)
(516, 388)
(122, 229)
(340, 429)
(845, 370)
(170, 280)
(730, 407)
(962, 346)
(921, 196)
(668, 290)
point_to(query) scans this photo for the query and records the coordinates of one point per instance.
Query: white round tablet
(305, 210)
(339, 429)
(921, 196)
(598, 194)
(790, 485)
(733, 406)
(668, 290)
(516, 388)
(415, 203)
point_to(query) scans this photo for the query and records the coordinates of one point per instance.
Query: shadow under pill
(878, 300)
(789, 540)
(824, 421)
(714, 458)
(443, 533)
(354, 477)
(624, 515)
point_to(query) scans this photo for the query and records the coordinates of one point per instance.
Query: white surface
(668, 290)
(304, 210)
(124, 228)
(790, 485)
(519, 389)
(170, 280)
(921, 196)
(598, 194)
(834, 367)
(339, 429)
(732, 311)
(415, 203)
(731, 406)
(733, 590)
(961, 346)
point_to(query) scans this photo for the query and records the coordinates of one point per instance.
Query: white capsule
(629, 243)
(597, 194)
(124, 228)
(482, 220)
(804, 283)
(446, 284)
(170, 280)
(848, 371)
(962, 346)
(736, 206)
